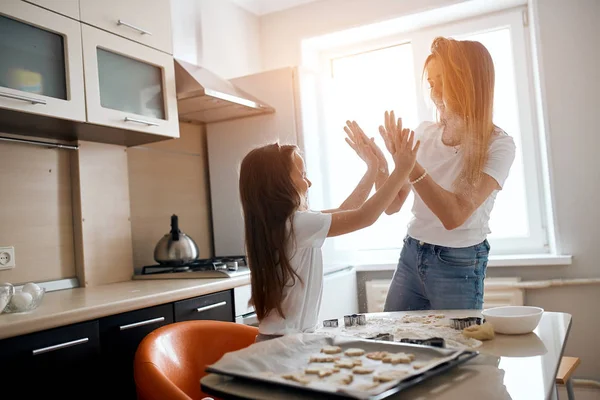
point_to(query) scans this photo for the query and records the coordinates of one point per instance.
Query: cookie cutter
(388, 337)
(462, 323)
(331, 323)
(433, 342)
(355, 319)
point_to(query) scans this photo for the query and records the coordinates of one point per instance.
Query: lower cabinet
(120, 336)
(61, 362)
(94, 359)
(216, 307)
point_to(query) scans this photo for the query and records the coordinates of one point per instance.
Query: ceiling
(263, 7)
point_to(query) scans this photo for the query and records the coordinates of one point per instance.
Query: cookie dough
(388, 376)
(296, 378)
(480, 332)
(377, 355)
(400, 358)
(345, 379)
(347, 363)
(331, 349)
(320, 371)
(354, 352)
(423, 364)
(363, 370)
(323, 358)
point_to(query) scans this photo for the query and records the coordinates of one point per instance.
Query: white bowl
(513, 320)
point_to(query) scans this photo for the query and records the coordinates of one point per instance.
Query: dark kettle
(175, 248)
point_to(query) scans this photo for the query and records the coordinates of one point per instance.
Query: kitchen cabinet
(120, 336)
(70, 8)
(144, 21)
(60, 362)
(41, 68)
(128, 85)
(216, 306)
(94, 359)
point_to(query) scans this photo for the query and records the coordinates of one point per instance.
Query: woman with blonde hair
(463, 163)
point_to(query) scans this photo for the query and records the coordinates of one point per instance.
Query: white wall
(218, 35)
(569, 34)
(282, 32)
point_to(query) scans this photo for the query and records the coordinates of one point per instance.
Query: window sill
(521, 260)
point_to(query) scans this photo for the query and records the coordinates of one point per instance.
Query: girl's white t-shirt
(302, 301)
(443, 163)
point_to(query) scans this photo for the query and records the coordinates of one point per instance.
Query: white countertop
(70, 306)
(509, 367)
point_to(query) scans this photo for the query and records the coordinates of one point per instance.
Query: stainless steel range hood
(202, 96)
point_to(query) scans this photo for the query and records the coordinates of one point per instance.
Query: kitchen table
(515, 367)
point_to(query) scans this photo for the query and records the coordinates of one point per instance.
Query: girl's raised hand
(362, 145)
(406, 151)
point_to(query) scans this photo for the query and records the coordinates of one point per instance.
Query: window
(369, 78)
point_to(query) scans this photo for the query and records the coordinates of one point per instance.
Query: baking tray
(265, 362)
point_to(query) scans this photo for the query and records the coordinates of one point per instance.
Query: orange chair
(170, 361)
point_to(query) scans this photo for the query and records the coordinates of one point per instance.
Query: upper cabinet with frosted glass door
(128, 85)
(144, 21)
(41, 68)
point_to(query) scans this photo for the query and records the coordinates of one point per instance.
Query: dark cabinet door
(216, 306)
(60, 362)
(120, 336)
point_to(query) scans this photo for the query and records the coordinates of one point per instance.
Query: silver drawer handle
(140, 121)
(60, 346)
(135, 28)
(23, 98)
(141, 323)
(216, 305)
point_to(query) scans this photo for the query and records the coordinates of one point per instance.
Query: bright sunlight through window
(365, 83)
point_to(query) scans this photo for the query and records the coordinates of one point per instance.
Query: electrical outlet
(7, 257)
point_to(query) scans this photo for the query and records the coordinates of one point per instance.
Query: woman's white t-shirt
(302, 301)
(443, 163)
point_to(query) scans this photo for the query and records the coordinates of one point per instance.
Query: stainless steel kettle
(175, 248)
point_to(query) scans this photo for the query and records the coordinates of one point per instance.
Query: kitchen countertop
(69, 306)
(509, 367)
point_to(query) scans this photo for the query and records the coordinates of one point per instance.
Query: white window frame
(421, 38)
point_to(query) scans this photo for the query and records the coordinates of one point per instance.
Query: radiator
(497, 292)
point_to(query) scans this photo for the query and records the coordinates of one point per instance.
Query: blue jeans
(430, 277)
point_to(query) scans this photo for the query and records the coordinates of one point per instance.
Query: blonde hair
(468, 92)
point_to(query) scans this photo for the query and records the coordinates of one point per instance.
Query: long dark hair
(269, 200)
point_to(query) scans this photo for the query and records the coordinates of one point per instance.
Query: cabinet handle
(216, 305)
(23, 98)
(140, 121)
(135, 28)
(59, 346)
(141, 323)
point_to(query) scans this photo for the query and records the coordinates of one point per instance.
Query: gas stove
(209, 268)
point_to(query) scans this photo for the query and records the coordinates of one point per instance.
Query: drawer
(66, 343)
(59, 362)
(144, 21)
(124, 330)
(217, 306)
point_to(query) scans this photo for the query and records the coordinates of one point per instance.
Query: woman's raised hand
(389, 129)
